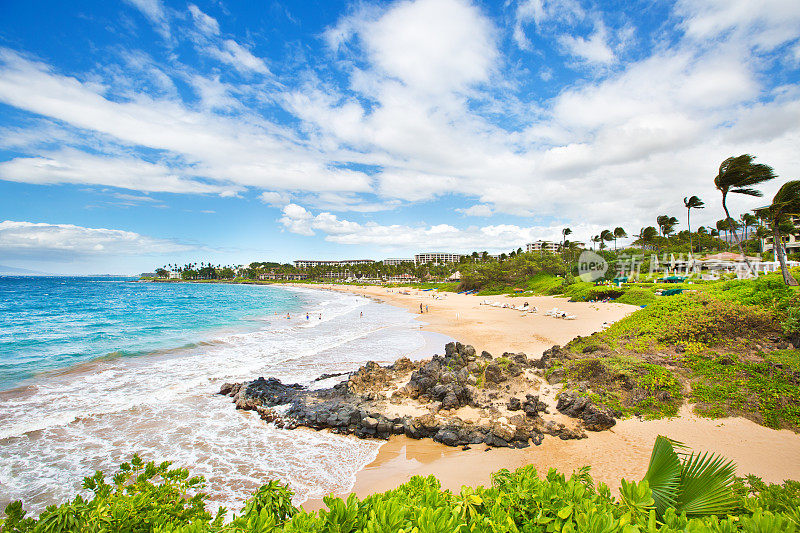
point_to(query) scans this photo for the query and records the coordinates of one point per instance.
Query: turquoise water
(94, 370)
(49, 323)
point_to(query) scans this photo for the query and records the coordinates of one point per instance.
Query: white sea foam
(164, 406)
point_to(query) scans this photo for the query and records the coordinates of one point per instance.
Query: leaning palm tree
(646, 235)
(606, 236)
(785, 203)
(739, 175)
(690, 483)
(691, 203)
(619, 233)
(666, 224)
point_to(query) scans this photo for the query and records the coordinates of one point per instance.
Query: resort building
(402, 278)
(542, 246)
(309, 263)
(174, 274)
(791, 242)
(272, 276)
(395, 261)
(437, 258)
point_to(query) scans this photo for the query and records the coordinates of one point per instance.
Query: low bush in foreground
(681, 492)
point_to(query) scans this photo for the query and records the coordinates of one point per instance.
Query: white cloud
(477, 210)
(275, 199)
(765, 24)
(500, 237)
(419, 103)
(205, 23)
(155, 12)
(66, 241)
(430, 45)
(223, 149)
(73, 166)
(237, 56)
(594, 49)
(544, 11)
(297, 219)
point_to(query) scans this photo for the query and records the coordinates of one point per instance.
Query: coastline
(621, 452)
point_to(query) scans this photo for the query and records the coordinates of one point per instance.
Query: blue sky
(145, 132)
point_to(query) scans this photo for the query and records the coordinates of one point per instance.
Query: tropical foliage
(696, 494)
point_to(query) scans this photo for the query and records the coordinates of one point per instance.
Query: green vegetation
(726, 345)
(697, 494)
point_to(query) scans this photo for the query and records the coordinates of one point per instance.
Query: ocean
(93, 370)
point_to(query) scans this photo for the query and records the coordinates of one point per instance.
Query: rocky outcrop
(594, 418)
(443, 395)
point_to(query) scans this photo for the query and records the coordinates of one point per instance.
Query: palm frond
(664, 474)
(705, 485)
(747, 191)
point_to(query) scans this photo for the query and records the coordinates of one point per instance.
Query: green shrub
(518, 501)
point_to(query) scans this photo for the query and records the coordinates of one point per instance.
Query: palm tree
(606, 236)
(786, 202)
(595, 239)
(666, 224)
(619, 233)
(761, 234)
(747, 220)
(564, 233)
(646, 235)
(739, 175)
(690, 483)
(722, 225)
(691, 203)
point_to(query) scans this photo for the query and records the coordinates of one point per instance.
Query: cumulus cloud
(66, 241)
(495, 238)
(592, 49)
(417, 100)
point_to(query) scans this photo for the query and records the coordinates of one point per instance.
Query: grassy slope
(722, 348)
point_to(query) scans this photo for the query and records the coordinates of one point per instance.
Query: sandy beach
(622, 452)
(497, 329)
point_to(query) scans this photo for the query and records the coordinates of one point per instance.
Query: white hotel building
(396, 261)
(309, 263)
(437, 257)
(542, 246)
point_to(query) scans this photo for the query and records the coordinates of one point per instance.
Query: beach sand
(496, 329)
(622, 452)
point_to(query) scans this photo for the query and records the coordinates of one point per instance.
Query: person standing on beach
(361, 314)
(426, 308)
(420, 308)
(306, 316)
